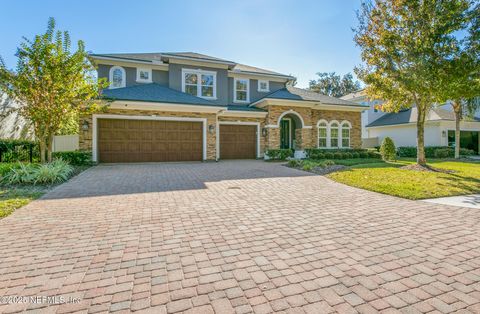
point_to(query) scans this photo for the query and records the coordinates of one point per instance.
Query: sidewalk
(472, 201)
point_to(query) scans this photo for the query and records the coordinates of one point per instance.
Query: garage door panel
(238, 141)
(149, 140)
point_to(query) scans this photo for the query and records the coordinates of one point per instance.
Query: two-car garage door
(124, 140)
(149, 140)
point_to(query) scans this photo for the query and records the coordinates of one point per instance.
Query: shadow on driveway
(118, 179)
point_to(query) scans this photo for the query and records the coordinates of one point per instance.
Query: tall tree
(334, 85)
(403, 43)
(51, 84)
(461, 79)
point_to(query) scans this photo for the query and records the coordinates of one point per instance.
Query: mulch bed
(324, 171)
(417, 167)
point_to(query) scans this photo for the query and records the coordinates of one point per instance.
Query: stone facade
(306, 135)
(306, 119)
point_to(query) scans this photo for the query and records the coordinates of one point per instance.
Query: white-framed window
(322, 134)
(200, 83)
(346, 126)
(144, 75)
(241, 90)
(334, 126)
(117, 77)
(263, 86)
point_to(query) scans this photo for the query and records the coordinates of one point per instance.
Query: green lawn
(12, 198)
(388, 178)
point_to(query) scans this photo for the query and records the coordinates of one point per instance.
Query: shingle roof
(154, 93)
(157, 57)
(195, 55)
(249, 69)
(410, 116)
(294, 93)
(244, 108)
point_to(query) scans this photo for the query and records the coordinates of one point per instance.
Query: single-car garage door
(238, 141)
(122, 140)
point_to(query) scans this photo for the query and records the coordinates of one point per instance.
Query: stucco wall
(158, 76)
(406, 135)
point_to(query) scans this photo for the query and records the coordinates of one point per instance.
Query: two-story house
(189, 106)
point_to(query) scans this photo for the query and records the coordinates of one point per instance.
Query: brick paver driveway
(237, 237)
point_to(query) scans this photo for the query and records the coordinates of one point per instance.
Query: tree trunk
(49, 148)
(43, 149)
(421, 160)
(458, 115)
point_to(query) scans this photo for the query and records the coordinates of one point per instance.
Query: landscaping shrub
(432, 152)
(387, 150)
(279, 154)
(329, 155)
(466, 152)
(294, 163)
(444, 153)
(317, 153)
(76, 158)
(55, 172)
(27, 173)
(20, 173)
(13, 150)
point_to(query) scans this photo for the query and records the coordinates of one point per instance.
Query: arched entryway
(290, 123)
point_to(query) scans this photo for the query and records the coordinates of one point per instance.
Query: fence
(370, 142)
(65, 143)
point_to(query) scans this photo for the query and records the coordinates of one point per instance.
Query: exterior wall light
(211, 128)
(264, 132)
(85, 125)
(444, 133)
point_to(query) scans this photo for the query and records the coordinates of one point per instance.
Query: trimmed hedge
(279, 154)
(433, 152)
(13, 150)
(317, 153)
(76, 158)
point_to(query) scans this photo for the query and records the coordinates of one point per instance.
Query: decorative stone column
(273, 138)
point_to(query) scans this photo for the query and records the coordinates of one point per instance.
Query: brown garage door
(238, 141)
(149, 140)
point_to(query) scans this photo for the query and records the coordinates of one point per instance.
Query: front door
(285, 133)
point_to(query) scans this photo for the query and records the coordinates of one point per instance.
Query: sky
(298, 37)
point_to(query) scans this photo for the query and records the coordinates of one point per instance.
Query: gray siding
(175, 80)
(159, 77)
(254, 93)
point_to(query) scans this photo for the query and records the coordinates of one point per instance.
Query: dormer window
(263, 86)
(144, 75)
(241, 90)
(199, 83)
(117, 77)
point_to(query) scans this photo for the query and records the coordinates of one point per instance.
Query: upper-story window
(241, 90)
(144, 75)
(117, 77)
(263, 86)
(199, 83)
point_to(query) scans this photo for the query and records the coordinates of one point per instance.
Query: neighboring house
(12, 125)
(369, 115)
(189, 106)
(402, 127)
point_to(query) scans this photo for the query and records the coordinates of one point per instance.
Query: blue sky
(291, 37)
